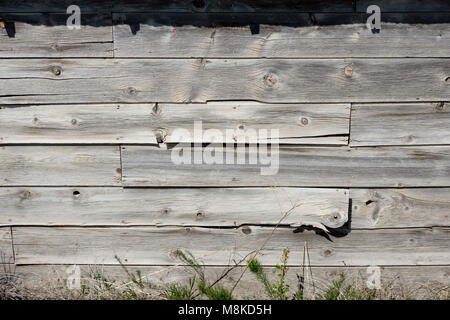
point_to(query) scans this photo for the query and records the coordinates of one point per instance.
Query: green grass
(198, 286)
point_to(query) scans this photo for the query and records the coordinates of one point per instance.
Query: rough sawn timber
(160, 246)
(40, 81)
(297, 166)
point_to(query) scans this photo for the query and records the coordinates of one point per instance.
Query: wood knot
(55, 47)
(327, 252)
(174, 254)
(348, 70)
(161, 135)
(200, 215)
(270, 80)
(57, 71)
(76, 194)
(246, 230)
(25, 195)
(447, 80)
(74, 121)
(440, 107)
(303, 121)
(131, 90)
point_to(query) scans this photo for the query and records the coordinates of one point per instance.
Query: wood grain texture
(159, 246)
(414, 281)
(404, 5)
(177, 207)
(199, 80)
(6, 248)
(78, 124)
(60, 166)
(144, 123)
(297, 166)
(400, 124)
(178, 5)
(46, 35)
(296, 123)
(216, 36)
(392, 208)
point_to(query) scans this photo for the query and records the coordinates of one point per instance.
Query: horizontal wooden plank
(6, 248)
(46, 35)
(404, 5)
(144, 123)
(400, 124)
(199, 80)
(393, 208)
(178, 5)
(159, 246)
(176, 207)
(292, 166)
(59, 165)
(217, 36)
(79, 124)
(371, 208)
(426, 282)
(294, 122)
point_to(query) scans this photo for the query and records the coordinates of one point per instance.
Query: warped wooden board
(292, 166)
(187, 35)
(143, 123)
(160, 246)
(404, 5)
(59, 166)
(79, 124)
(6, 248)
(393, 208)
(413, 281)
(177, 207)
(94, 6)
(400, 124)
(199, 80)
(295, 122)
(46, 35)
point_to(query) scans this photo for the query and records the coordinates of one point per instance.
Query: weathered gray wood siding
(89, 120)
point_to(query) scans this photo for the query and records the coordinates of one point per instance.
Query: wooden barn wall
(88, 122)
